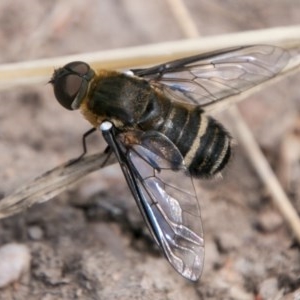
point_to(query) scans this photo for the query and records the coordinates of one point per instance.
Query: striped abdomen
(132, 103)
(202, 141)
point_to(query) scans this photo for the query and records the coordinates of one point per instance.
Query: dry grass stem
(39, 71)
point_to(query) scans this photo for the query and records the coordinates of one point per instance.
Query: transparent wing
(165, 194)
(51, 183)
(206, 78)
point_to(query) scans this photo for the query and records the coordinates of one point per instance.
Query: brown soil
(91, 242)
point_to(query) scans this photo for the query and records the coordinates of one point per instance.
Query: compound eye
(68, 82)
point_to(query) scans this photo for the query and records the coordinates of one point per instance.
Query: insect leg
(85, 135)
(84, 146)
(109, 152)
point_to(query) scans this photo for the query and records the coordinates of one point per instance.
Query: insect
(155, 122)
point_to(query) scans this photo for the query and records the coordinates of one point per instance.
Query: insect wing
(170, 207)
(52, 182)
(207, 78)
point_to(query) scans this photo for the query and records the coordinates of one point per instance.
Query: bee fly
(154, 121)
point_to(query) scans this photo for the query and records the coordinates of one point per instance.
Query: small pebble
(269, 221)
(35, 232)
(227, 242)
(212, 256)
(268, 289)
(14, 261)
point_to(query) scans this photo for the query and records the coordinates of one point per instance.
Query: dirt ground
(91, 241)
